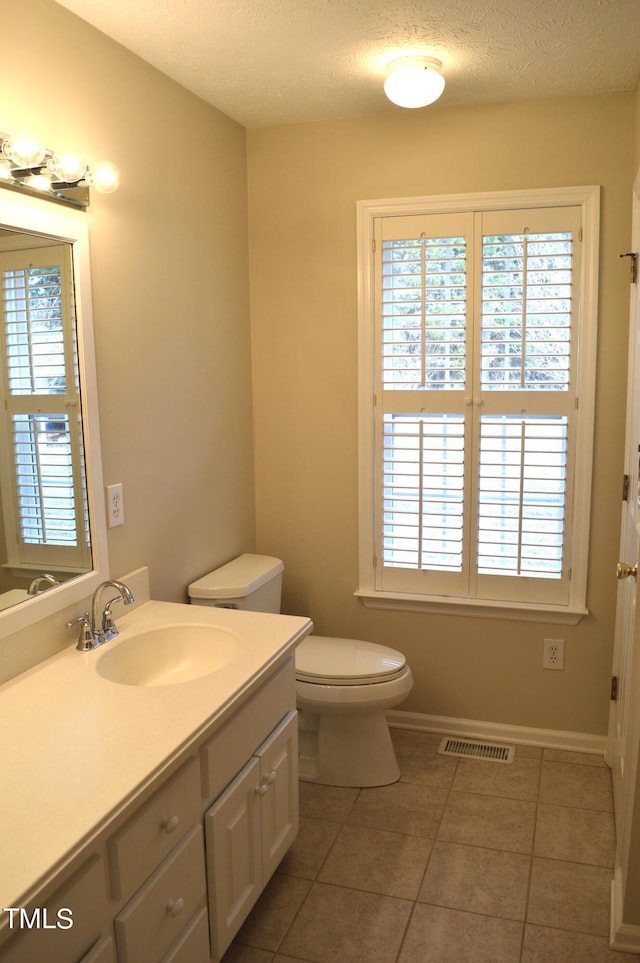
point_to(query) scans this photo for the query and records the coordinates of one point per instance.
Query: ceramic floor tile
(479, 880)
(272, 915)
(543, 945)
(528, 752)
(326, 802)
(569, 896)
(246, 954)
(578, 835)
(437, 935)
(377, 861)
(488, 821)
(578, 758)
(569, 784)
(347, 926)
(517, 780)
(309, 851)
(420, 761)
(412, 809)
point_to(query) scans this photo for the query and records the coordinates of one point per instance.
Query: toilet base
(346, 750)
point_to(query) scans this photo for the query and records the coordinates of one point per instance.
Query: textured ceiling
(267, 62)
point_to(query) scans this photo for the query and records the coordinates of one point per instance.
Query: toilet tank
(252, 582)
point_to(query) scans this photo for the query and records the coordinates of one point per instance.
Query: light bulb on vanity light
(414, 81)
(104, 176)
(24, 150)
(67, 166)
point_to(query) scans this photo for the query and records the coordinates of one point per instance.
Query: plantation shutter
(43, 468)
(475, 403)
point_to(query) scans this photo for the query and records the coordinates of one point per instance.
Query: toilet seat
(347, 662)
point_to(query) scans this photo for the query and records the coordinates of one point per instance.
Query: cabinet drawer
(154, 918)
(192, 946)
(102, 952)
(83, 898)
(156, 827)
(241, 736)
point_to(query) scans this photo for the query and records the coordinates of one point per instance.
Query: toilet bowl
(343, 689)
(343, 686)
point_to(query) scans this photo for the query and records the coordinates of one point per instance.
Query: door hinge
(625, 488)
(375, 561)
(614, 688)
(634, 265)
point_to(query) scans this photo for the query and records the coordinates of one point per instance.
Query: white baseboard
(624, 937)
(498, 732)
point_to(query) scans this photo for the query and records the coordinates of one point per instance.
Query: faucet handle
(109, 630)
(86, 639)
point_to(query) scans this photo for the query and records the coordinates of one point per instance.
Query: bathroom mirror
(52, 519)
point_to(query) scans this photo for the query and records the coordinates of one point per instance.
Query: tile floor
(462, 860)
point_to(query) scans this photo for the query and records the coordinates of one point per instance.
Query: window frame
(588, 198)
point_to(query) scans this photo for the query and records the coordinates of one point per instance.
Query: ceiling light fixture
(414, 81)
(64, 175)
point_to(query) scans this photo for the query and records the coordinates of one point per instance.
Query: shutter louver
(522, 496)
(423, 486)
(423, 313)
(526, 312)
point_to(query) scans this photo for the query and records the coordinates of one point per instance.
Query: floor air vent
(476, 750)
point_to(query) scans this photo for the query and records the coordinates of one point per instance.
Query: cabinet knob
(262, 789)
(270, 777)
(170, 823)
(175, 906)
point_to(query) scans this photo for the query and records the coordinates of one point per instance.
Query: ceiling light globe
(414, 81)
(105, 177)
(24, 150)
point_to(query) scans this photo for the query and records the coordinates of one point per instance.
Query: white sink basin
(168, 655)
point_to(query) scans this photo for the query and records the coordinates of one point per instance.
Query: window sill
(473, 608)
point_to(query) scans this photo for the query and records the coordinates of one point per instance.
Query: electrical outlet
(115, 505)
(553, 654)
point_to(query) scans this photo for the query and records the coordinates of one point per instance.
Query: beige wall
(170, 281)
(304, 181)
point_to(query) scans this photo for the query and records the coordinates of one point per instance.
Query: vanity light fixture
(414, 81)
(61, 175)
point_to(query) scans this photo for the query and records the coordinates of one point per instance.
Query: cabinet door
(279, 810)
(232, 828)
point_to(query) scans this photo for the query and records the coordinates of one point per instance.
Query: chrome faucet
(101, 628)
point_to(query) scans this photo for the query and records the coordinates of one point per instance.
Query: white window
(44, 509)
(477, 339)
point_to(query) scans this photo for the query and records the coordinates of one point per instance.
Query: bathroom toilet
(343, 686)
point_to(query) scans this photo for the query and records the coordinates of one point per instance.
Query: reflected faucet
(101, 628)
(34, 585)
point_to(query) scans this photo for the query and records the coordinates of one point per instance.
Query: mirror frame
(33, 216)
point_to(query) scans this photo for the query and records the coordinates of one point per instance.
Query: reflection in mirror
(52, 528)
(44, 524)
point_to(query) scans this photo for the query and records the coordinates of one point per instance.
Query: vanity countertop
(77, 748)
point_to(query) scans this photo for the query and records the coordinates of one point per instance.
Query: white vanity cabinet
(248, 831)
(173, 875)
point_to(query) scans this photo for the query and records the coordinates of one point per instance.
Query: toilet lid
(346, 661)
